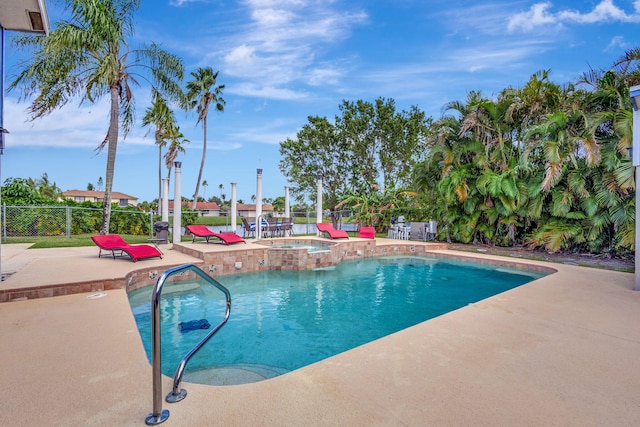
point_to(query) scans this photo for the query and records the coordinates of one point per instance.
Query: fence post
(68, 222)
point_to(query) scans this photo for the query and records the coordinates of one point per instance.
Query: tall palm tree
(161, 116)
(176, 141)
(89, 55)
(205, 184)
(202, 93)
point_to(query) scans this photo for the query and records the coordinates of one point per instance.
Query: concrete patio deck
(563, 350)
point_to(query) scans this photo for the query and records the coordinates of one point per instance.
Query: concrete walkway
(563, 350)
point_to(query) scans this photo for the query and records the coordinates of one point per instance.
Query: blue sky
(284, 60)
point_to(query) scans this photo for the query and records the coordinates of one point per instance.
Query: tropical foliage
(542, 165)
(368, 144)
(89, 56)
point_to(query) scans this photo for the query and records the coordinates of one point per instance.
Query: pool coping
(561, 350)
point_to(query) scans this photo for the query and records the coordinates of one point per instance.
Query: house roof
(205, 206)
(249, 207)
(96, 194)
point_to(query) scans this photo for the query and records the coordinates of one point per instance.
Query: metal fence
(65, 221)
(61, 221)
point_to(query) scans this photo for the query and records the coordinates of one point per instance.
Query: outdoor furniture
(367, 232)
(203, 231)
(401, 232)
(325, 227)
(248, 228)
(115, 243)
(286, 227)
(272, 228)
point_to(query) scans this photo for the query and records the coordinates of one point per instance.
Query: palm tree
(160, 115)
(202, 92)
(629, 66)
(89, 55)
(205, 184)
(46, 188)
(176, 140)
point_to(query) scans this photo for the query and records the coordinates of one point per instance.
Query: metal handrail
(159, 415)
(259, 227)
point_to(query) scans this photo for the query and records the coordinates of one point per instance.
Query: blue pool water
(310, 247)
(283, 320)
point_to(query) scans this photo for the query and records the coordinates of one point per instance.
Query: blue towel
(193, 325)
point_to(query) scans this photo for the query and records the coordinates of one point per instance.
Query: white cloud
(74, 126)
(617, 43)
(540, 14)
(268, 92)
(179, 3)
(280, 46)
(323, 75)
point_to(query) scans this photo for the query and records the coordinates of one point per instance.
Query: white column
(259, 205)
(636, 282)
(287, 210)
(165, 199)
(634, 91)
(177, 203)
(319, 201)
(234, 208)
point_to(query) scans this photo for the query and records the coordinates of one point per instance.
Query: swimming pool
(283, 320)
(310, 247)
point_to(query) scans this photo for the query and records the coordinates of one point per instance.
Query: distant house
(248, 210)
(80, 196)
(203, 208)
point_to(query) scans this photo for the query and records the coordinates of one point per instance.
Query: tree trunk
(204, 153)
(112, 145)
(159, 176)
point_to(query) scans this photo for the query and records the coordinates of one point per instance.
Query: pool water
(310, 247)
(283, 320)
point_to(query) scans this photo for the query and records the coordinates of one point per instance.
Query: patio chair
(286, 227)
(119, 247)
(325, 227)
(248, 228)
(202, 231)
(367, 232)
(272, 228)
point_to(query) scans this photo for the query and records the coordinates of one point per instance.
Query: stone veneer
(257, 259)
(131, 281)
(241, 260)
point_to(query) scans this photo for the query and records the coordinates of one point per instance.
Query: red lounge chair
(204, 232)
(113, 243)
(367, 233)
(325, 227)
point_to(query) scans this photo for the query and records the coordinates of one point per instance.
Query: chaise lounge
(325, 227)
(202, 231)
(115, 243)
(367, 232)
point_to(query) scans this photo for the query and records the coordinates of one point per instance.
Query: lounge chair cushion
(204, 232)
(115, 242)
(324, 227)
(367, 233)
